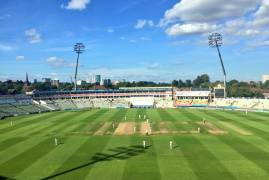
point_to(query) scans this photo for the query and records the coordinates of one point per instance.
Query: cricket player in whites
(171, 144)
(144, 144)
(56, 141)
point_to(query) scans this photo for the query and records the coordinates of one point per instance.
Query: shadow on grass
(119, 153)
(5, 178)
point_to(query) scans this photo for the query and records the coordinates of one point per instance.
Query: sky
(153, 40)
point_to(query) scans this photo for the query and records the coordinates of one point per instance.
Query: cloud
(144, 38)
(190, 29)
(141, 23)
(59, 62)
(4, 47)
(33, 36)
(132, 41)
(264, 43)
(20, 58)
(209, 10)
(154, 66)
(76, 5)
(244, 20)
(110, 30)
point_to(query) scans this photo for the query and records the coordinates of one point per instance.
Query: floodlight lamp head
(214, 40)
(79, 47)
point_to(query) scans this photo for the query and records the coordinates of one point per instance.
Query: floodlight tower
(78, 48)
(215, 41)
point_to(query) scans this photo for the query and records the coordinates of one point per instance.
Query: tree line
(235, 88)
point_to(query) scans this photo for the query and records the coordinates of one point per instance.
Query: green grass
(27, 149)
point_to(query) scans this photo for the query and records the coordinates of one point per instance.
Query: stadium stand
(18, 105)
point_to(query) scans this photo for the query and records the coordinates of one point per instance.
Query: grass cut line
(235, 128)
(102, 129)
(212, 129)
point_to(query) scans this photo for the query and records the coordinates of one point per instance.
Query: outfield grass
(237, 149)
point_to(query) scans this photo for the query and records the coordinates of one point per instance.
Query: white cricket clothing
(144, 144)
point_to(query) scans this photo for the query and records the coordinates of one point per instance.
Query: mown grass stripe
(54, 159)
(95, 115)
(169, 160)
(144, 165)
(78, 165)
(16, 125)
(236, 161)
(10, 142)
(203, 163)
(23, 118)
(117, 153)
(19, 148)
(243, 124)
(249, 151)
(250, 117)
(20, 162)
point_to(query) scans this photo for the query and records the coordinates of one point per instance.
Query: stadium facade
(134, 97)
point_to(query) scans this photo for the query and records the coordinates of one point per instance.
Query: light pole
(215, 41)
(78, 48)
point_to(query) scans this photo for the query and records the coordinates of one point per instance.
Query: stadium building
(125, 97)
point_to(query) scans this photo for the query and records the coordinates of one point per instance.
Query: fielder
(56, 141)
(204, 120)
(139, 116)
(144, 144)
(171, 144)
(198, 130)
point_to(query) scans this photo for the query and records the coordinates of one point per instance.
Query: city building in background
(55, 82)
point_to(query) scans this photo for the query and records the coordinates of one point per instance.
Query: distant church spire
(26, 83)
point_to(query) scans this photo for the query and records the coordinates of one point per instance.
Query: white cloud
(154, 66)
(33, 36)
(244, 19)
(132, 41)
(144, 38)
(76, 5)
(209, 10)
(20, 58)
(110, 30)
(150, 23)
(189, 29)
(264, 43)
(4, 47)
(141, 23)
(59, 62)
